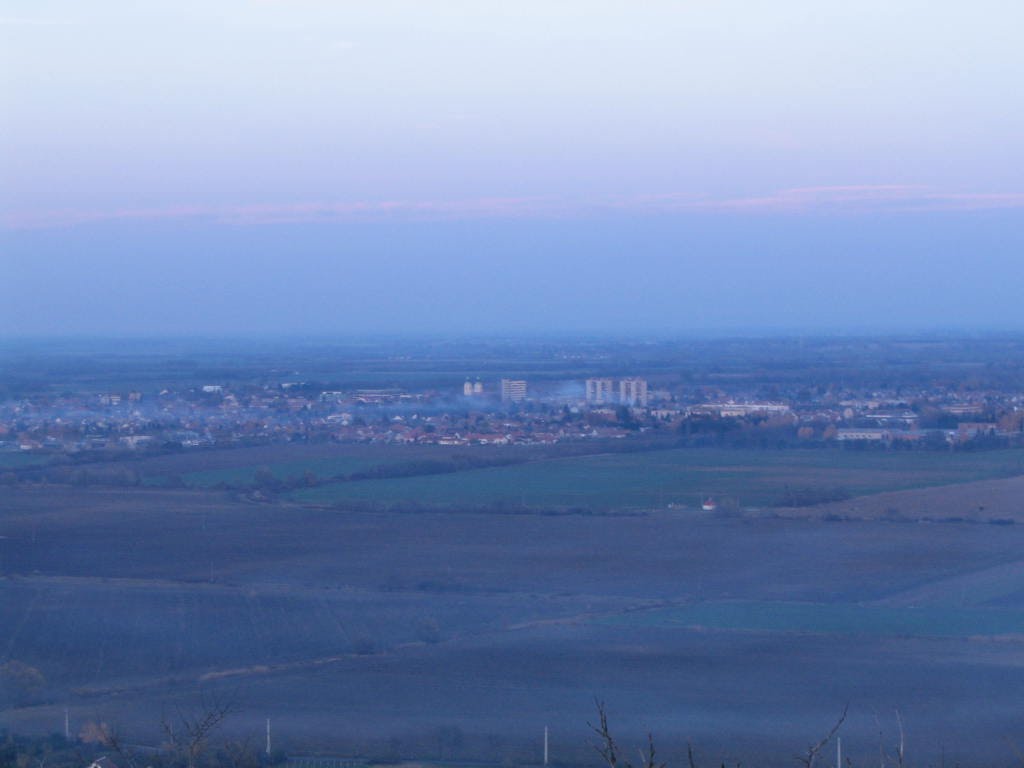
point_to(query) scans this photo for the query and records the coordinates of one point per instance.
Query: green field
(284, 470)
(679, 477)
(238, 467)
(829, 619)
(11, 460)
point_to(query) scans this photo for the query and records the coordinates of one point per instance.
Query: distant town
(507, 411)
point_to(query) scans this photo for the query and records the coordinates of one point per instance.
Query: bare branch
(881, 743)
(609, 750)
(648, 760)
(899, 748)
(813, 751)
(113, 740)
(606, 748)
(195, 729)
(168, 728)
(689, 755)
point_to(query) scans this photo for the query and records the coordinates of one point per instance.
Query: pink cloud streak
(865, 198)
(799, 200)
(293, 212)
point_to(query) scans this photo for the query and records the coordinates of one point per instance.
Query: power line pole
(268, 736)
(67, 725)
(839, 752)
(545, 745)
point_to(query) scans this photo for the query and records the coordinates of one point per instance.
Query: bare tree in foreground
(608, 749)
(900, 756)
(189, 734)
(114, 740)
(808, 759)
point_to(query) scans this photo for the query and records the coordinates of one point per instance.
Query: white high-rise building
(600, 391)
(513, 390)
(633, 392)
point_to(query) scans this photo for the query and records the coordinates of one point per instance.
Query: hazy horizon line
(638, 336)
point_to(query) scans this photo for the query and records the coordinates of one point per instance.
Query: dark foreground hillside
(457, 635)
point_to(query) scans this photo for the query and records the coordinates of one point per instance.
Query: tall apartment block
(600, 391)
(513, 390)
(633, 392)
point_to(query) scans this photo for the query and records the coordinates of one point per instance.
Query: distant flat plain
(386, 632)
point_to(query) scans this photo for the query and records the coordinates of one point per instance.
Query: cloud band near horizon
(838, 199)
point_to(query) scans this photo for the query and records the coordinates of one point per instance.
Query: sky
(340, 166)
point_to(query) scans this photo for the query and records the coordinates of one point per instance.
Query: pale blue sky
(793, 138)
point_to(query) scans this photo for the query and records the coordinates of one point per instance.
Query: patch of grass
(679, 476)
(284, 470)
(11, 460)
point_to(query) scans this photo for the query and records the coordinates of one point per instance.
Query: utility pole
(839, 752)
(67, 725)
(545, 745)
(268, 737)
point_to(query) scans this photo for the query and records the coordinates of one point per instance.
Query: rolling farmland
(360, 630)
(679, 477)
